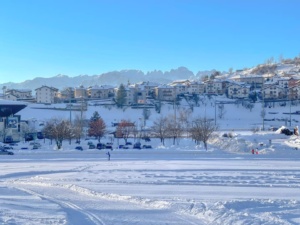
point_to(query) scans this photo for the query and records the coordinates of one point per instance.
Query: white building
(238, 90)
(46, 94)
(18, 95)
(165, 93)
(196, 87)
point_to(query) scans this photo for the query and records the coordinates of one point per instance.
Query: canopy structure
(8, 108)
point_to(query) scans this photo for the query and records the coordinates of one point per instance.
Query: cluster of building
(272, 87)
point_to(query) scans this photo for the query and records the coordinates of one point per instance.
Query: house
(214, 87)
(147, 89)
(66, 94)
(46, 94)
(165, 93)
(254, 80)
(181, 87)
(238, 90)
(18, 95)
(100, 92)
(196, 87)
(273, 91)
(80, 92)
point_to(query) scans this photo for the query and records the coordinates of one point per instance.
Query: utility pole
(215, 112)
(263, 107)
(70, 105)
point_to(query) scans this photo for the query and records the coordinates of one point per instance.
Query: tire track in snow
(74, 211)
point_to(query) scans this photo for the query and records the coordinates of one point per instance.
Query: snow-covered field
(171, 184)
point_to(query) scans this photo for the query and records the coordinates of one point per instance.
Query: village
(281, 86)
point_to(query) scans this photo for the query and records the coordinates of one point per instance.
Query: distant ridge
(285, 67)
(114, 78)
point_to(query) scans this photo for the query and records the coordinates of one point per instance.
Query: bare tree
(77, 127)
(59, 130)
(221, 111)
(125, 129)
(174, 128)
(202, 129)
(146, 115)
(160, 128)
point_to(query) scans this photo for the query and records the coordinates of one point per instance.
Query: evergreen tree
(97, 126)
(121, 96)
(95, 117)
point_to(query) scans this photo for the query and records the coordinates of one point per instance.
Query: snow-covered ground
(171, 184)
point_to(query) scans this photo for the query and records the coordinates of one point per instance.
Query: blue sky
(43, 38)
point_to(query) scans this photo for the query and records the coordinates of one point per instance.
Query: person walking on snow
(108, 156)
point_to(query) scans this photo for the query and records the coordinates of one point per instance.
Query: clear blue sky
(43, 38)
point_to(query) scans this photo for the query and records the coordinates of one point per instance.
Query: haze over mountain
(284, 68)
(114, 78)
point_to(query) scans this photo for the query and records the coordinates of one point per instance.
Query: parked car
(8, 139)
(37, 144)
(123, 147)
(147, 139)
(7, 147)
(13, 144)
(147, 146)
(137, 145)
(108, 146)
(5, 152)
(128, 143)
(101, 146)
(92, 146)
(40, 135)
(79, 148)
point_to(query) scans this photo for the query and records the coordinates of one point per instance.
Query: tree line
(173, 126)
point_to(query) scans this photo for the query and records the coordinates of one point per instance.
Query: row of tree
(172, 126)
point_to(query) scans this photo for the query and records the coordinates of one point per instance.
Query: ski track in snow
(82, 216)
(231, 175)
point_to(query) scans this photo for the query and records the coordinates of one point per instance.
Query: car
(123, 147)
(108, 146)
(8, 139)
(79, 148)
(147, 139)
(137, 145)
(128, 143)
(5, 152)
(13, 144)
(37, 144)
(147, 146)
(40, 135)
(7, 147)
(92, 146)
(101, 146)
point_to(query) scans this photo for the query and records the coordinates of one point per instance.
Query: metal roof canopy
(8, 108)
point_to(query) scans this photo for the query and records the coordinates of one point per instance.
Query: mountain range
(113, 78)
